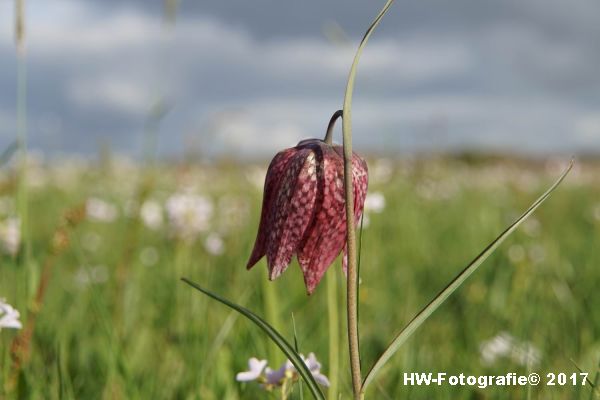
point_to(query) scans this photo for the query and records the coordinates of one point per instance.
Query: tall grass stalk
(60, 242)
(596, 382)
(272, 314)
(21, 197)
(334, 334)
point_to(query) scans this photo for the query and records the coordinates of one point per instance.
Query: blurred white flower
(505, 345)
(255, 370)
(91, 275)
(382, 170)
(149, 256)
(152, 214)
(537, 253)
(516, 253)
(375, 202)
(214, 244)
(188, 214)
(9, 317)
(10, 235)
(99, 210)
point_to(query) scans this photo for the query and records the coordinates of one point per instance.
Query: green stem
(334, 334)
(271, 310)
(351, 291)
(22, 201)
(352, 297)
(329, 135)
(284, 390)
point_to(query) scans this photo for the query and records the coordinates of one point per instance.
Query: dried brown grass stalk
(20, 349)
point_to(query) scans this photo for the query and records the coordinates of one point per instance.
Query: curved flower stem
(352, 290)
(329, 135)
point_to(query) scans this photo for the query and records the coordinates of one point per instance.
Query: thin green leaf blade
(8, 153)
(287, 349)
(426, 312)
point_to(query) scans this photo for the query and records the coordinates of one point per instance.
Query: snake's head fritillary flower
(303, 209)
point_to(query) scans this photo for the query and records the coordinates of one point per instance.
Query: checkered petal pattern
(303, 209)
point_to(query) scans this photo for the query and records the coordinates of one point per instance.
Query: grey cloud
(251, 77)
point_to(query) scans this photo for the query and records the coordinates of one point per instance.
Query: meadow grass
(116, 321)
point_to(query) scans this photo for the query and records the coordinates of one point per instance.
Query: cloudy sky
(249, 77)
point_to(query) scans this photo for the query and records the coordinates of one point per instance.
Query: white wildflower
(375, 202)
(99, 210)
(278, 376)
(537, 253)
(10, 235)
(9, 317)
(91, 275)
(505, 345)
(152, 214)
(382, 170)
(188, 214)
(214, 244)
(287, 373)
(516, 253)
(314, 367)
(255, 370)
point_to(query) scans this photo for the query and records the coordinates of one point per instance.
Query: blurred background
(135, 138)
(245, 79)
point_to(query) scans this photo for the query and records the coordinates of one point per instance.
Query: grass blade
(287, 349)
(297, 348)
(8, 153)
(426, 312)
(596, 382)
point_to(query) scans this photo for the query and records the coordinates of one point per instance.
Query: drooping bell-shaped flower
(303, 209)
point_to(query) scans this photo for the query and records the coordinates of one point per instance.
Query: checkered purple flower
(303, 210)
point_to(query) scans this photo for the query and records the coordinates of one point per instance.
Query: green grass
(147, 335)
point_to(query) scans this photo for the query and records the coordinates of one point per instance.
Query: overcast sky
(250, 77)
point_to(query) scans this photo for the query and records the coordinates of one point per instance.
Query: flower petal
(312, 363)
(327, 235)
(255, 369)
(321, 379)
(360, 183)
(292, 210)
(272, 182)
(9, 316)
(276, 377)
